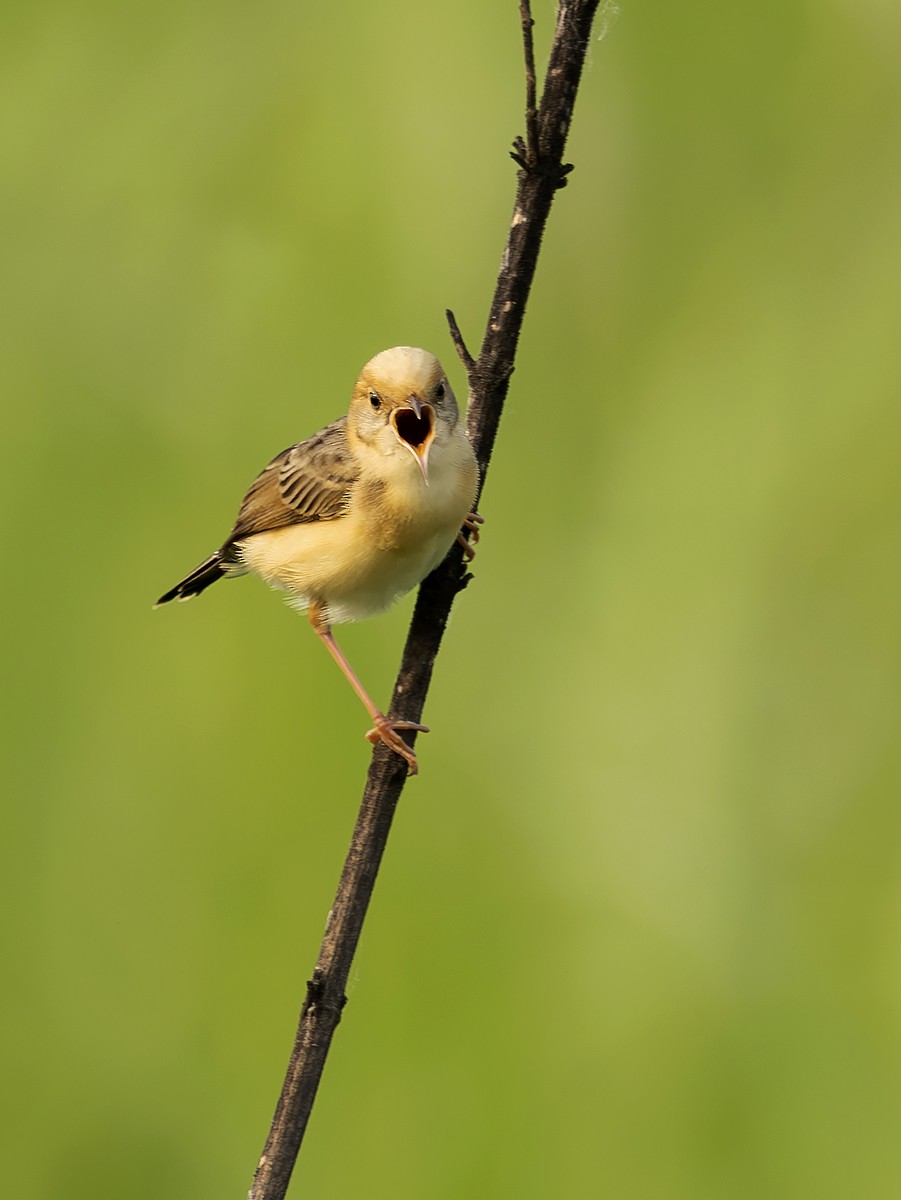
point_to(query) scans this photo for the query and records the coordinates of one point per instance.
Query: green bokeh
(638, 929)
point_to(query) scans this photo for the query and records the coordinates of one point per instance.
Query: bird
(357, 515)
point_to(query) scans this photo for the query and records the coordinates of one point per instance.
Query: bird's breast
(396, 529)
(402, 512)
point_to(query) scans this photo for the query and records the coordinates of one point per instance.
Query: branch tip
(459, 345)
(528, 45)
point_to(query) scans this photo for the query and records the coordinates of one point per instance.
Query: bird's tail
(209, 571)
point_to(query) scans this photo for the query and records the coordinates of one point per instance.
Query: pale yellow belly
(337, 564)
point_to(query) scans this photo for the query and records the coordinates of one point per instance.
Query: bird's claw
(471, 525)
(385, 731)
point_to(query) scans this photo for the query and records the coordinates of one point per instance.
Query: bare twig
(542, 172)
(457, 338)
(528, 44)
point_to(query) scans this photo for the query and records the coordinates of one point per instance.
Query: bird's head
(403, 403)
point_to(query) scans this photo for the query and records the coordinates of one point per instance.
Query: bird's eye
(439, 391)
(375, 400)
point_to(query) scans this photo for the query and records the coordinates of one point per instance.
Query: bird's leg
(385, 729)
(471, 525)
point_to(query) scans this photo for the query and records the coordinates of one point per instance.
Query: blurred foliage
(638, 928)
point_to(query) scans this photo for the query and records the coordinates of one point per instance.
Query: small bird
(360, 513)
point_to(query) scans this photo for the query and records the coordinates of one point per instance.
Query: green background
(638, 931)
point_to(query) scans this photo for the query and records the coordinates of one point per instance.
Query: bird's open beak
(414, 425)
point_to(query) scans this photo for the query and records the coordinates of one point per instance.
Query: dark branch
(542, 172)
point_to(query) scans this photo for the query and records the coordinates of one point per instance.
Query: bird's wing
(306, 482)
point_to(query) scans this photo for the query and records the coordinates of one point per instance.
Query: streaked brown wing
(306, 482)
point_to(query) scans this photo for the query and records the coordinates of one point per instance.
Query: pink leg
(385, 730)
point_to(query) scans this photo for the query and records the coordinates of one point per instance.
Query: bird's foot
(386, 731)
(471, 525)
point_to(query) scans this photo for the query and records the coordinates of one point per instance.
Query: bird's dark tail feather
(201, 577)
